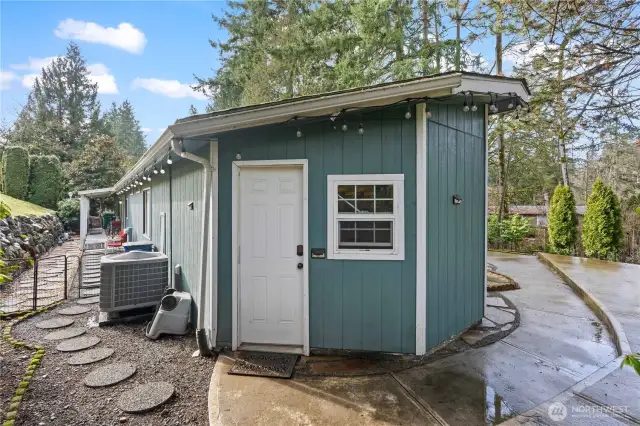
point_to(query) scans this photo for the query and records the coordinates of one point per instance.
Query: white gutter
(207, 170)
(318, 106)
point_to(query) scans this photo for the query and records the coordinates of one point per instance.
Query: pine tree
(121, 123)
(99, 165)
(602, 235)
(562, 221)
(62, 110)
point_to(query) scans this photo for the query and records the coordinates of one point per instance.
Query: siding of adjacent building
(456, 149)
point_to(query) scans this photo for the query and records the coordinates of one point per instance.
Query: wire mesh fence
(27, 285)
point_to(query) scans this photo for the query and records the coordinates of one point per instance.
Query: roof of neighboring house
(533, 210)
(486, 88)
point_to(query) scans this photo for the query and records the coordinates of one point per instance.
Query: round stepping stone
(109, 375)
(67, 333)
(74, 310)
(88, 300)
(78, 343)
(90, 356)
(54, 323)
(145, 397)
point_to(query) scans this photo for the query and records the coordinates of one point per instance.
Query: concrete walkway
(613, 289)
(559, 343)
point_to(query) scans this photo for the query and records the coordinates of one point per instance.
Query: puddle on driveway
(462, 399)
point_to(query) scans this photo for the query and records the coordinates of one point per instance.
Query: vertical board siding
(455, 234)
(361, 305)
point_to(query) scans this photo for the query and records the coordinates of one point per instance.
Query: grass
(23, 208)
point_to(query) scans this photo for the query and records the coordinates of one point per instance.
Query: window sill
(364, 255)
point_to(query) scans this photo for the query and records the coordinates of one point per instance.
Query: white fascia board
(101, 192)
(148, 158)
(436, 86)
(476, 83)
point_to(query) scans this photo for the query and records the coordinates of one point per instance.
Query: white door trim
(235, 192)
(213, 245)
(421, 228)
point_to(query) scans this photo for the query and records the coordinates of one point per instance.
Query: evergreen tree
(100, 165)
(121, 123)
(562, 221)
(602, 235)
(62, 110)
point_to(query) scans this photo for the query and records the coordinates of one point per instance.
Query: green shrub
(562, 221)
(514, 229)
(15, 172)
(45, 181)
(493, 229)
(602, 235)
(5, 211)
(69, 211)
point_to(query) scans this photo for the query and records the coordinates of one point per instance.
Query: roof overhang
(208, 125)
(97, 193)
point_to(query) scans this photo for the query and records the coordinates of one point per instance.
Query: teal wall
(455, 234)
(362, 305)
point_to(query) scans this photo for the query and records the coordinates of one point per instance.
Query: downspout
(207, 169)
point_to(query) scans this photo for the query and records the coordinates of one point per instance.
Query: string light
(299, 133)
(344, 127)
(161, 170)
(169, 160)
(155, 171)
(474, 107)
(427, 112)
(361, 129)
(510, 105)
(407, 114)
(149, 178)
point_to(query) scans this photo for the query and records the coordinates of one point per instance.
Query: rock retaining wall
(19, 235)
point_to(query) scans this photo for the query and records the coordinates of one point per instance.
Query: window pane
(383, 236)
(364, 236)
(347, 236)
(347, 225)
(384, 206)
(347, 191)
(346, 206)
(365, 192)
(364, 206)
(384, 191)
(386, 224)
(364, 224)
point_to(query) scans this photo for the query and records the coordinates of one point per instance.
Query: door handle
(300, 265)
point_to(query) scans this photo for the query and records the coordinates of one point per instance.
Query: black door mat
(265, 364)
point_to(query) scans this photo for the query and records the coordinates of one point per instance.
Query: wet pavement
(559, 343)
(616, 285)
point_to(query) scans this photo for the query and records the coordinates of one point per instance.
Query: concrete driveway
(559, 343)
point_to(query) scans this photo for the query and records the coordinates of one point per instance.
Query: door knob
(300, 265)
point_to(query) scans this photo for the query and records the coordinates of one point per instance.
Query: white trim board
(421, 228)
(235, 188)
(213, 245)
(486, 202)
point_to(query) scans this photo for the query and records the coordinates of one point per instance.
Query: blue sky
(148, 51)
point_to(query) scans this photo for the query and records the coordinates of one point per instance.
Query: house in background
(537, 214)
(348, 220)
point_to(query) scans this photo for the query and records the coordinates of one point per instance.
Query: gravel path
(57, 395)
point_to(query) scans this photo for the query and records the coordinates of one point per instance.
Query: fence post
(35, 284)
(65, 277)
(80, 259)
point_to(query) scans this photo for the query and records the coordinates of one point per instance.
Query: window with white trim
(146, 212)
(365, 217)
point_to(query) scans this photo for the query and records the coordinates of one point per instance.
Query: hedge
(45, 181)
(15, 172)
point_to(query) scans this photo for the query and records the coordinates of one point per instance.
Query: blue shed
(351, 220)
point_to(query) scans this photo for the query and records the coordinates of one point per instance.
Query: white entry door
(269, 268)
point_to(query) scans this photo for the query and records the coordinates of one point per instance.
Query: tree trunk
(561, 111)
(425, 37)
(458, 40)
(502, 180)
(436, 36)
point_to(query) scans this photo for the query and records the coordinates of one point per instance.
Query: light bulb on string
(427, 112)
(149, 178)
(298, 133)
(169, 160)
(360, 129)
(465, 106)
(155, 171)
(474, 107)
(510, 105)
(161, 170)
(407, 114)
(344, 127)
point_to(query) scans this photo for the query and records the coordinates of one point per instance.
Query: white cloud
(162, 129)
(29, 79)
(6, 79)
(125, 36)
(146, 130)
(35, 64)
(106, 81)
(170, 88)
(523, 54)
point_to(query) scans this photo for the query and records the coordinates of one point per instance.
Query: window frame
(397, 217)
(146, 212)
